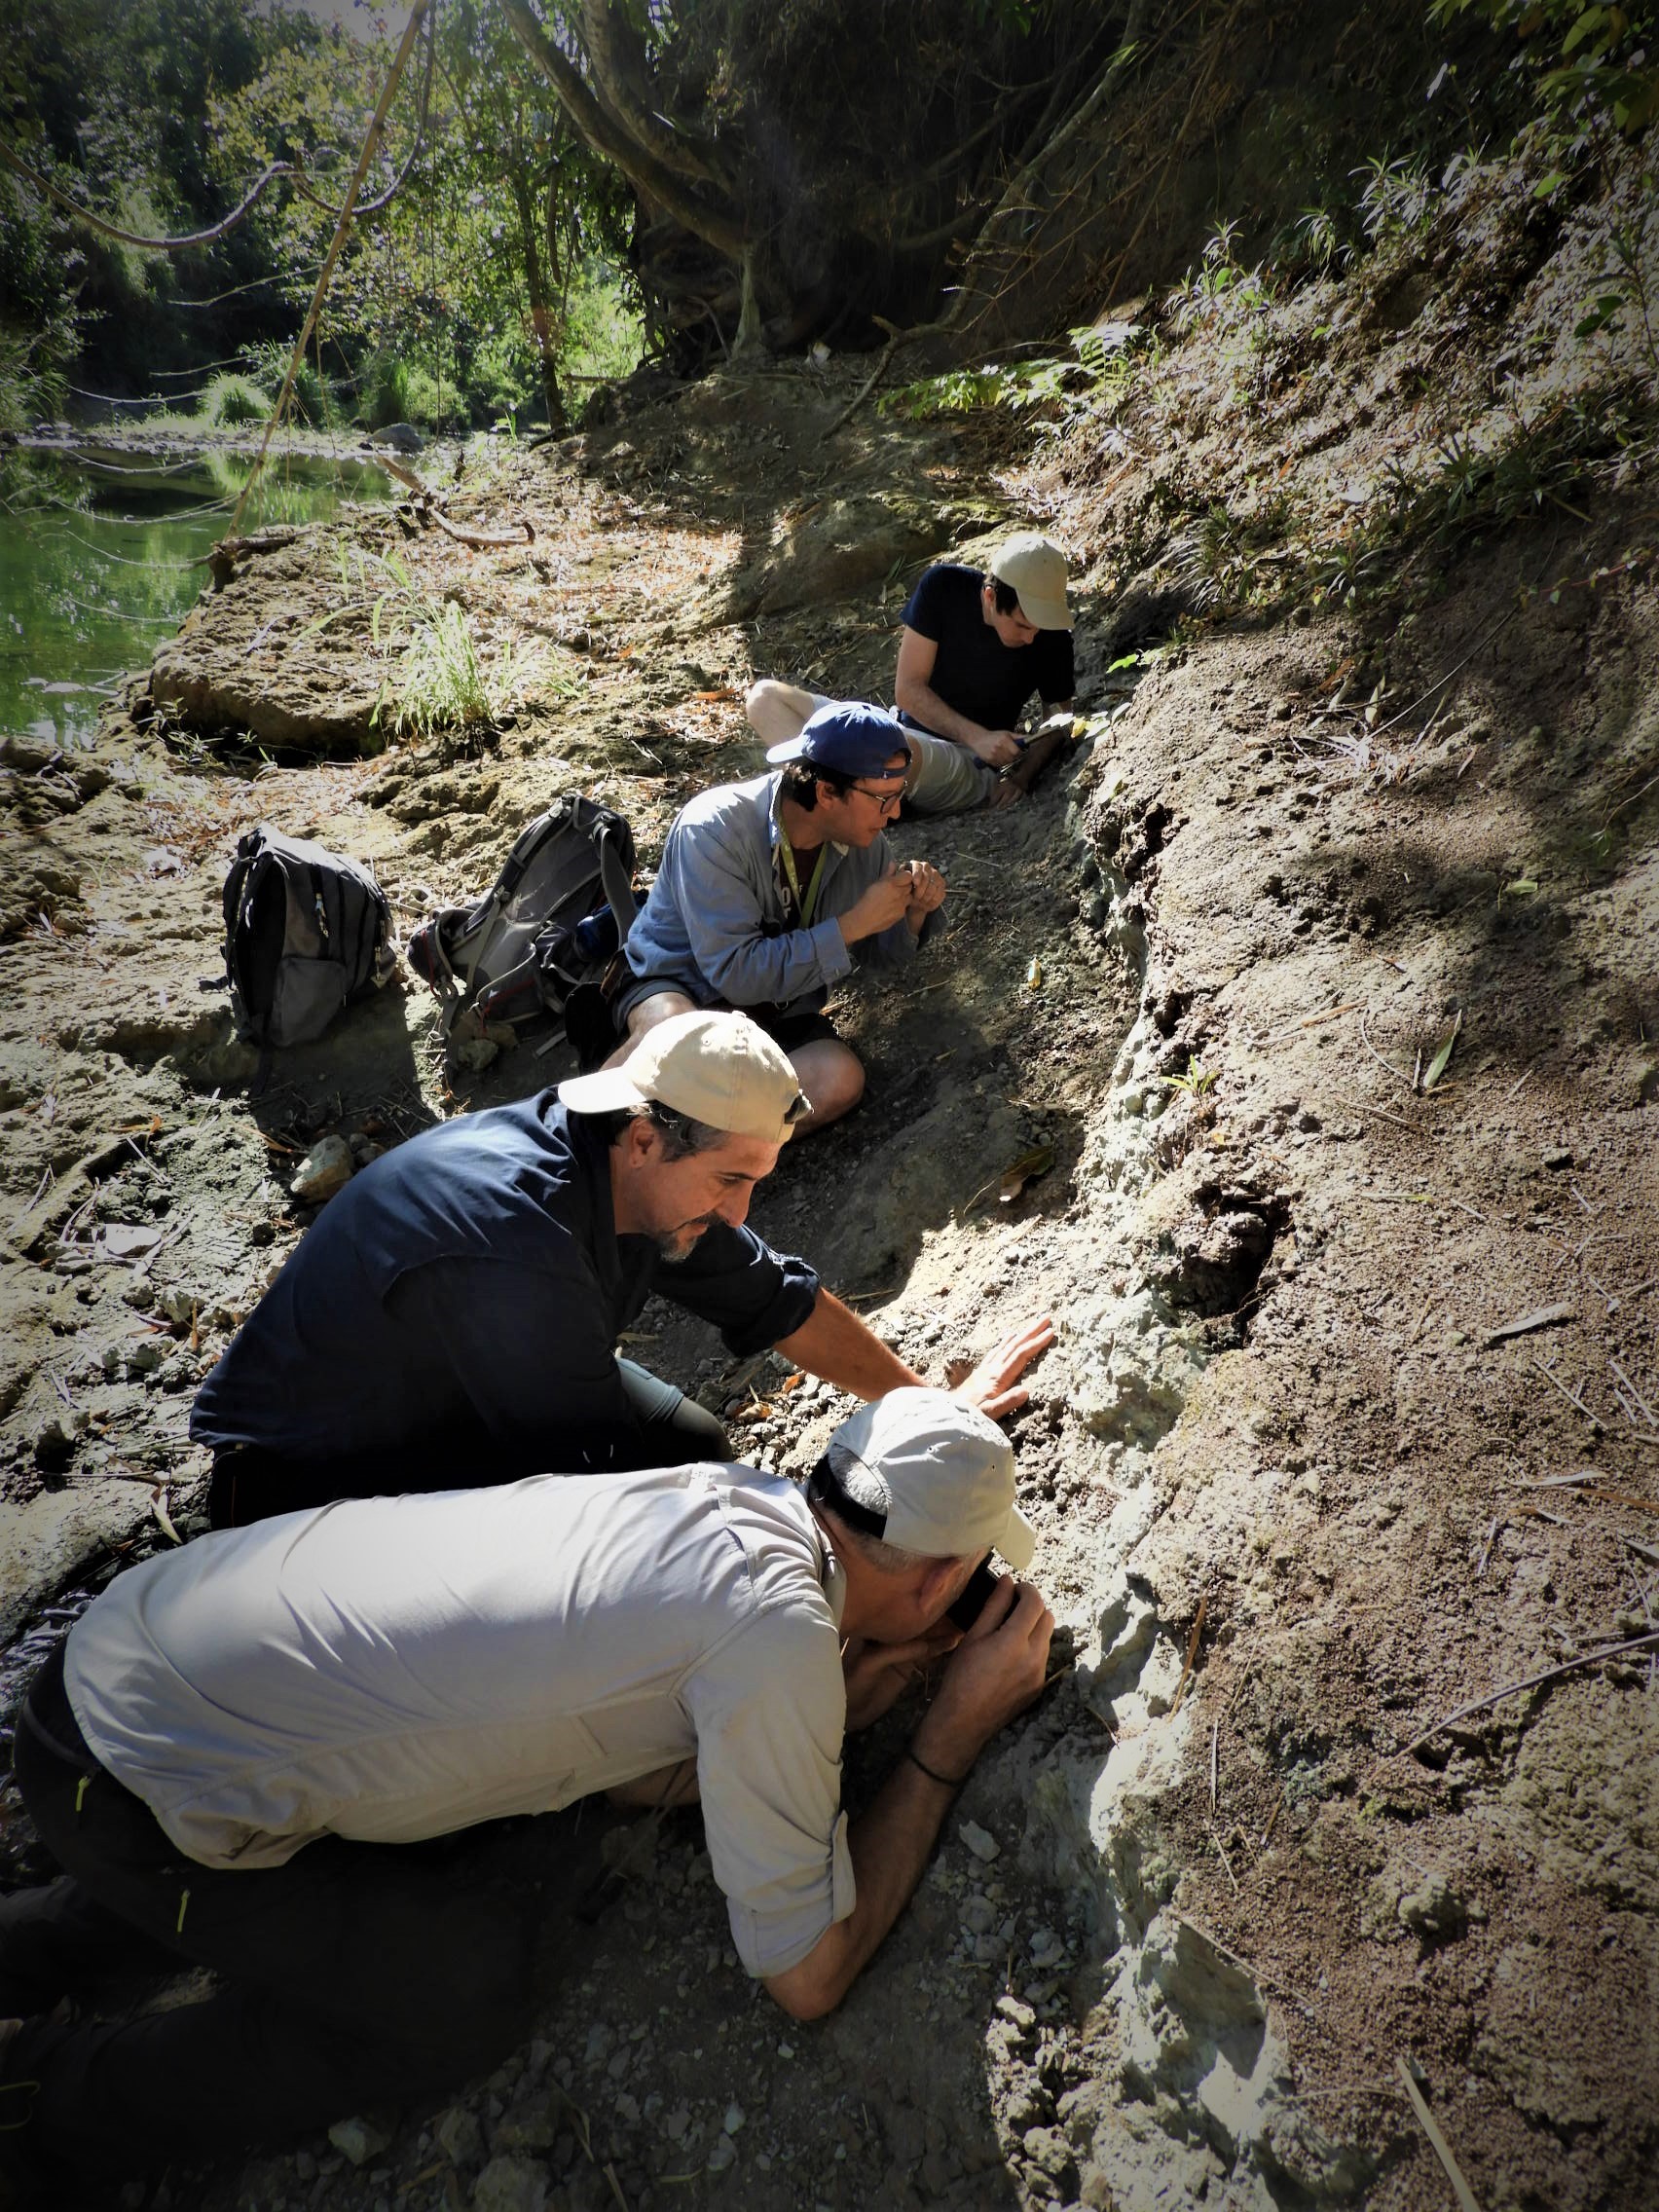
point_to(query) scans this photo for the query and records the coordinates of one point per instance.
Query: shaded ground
(1197, 1907)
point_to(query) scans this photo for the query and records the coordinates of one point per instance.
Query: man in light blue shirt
(770, 891)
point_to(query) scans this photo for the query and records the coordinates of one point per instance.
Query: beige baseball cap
(720, 1069)
(1036, 567)
(920, 1469)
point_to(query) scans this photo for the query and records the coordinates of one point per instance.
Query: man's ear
(642, 1140)
(934, 1590)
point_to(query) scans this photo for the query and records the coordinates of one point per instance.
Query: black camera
(978, 1588)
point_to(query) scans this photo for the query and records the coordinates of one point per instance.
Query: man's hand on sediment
(991, 1385)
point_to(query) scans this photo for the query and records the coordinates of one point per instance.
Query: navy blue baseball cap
(848, 736)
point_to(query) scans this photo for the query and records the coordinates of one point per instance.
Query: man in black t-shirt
(975, 646)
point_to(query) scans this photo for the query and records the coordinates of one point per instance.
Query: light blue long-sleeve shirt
(715, 924)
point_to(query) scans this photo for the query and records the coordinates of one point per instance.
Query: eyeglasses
(889, 802)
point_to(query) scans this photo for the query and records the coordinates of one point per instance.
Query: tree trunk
(720, 227)
(620, 72)
(540, 308)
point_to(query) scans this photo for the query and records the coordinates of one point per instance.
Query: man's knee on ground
(832, 1078)
(644, 1017)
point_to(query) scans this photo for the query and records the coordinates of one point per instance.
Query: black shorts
(790, 1030)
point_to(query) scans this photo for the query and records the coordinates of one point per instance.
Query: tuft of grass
(231, 401)
(443, 683)
(312, 402)
(1396, 200)
(386, 392)
(1220, 289)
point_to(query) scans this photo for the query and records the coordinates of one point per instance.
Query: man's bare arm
(834, 1344)
(915, 696)
(995, 1671)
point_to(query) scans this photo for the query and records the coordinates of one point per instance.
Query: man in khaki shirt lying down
(239, 1740)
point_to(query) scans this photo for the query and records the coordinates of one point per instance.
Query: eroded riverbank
(1165, 1955)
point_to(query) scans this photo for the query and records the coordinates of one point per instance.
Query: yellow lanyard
(804, 905)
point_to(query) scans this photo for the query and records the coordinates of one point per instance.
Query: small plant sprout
(1195, 1081)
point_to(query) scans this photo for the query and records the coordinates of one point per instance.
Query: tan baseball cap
(1036, 567)
(920, 1469)
(720, 1069)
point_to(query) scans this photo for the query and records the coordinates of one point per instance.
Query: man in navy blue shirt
(976, 645)
(451, 1319)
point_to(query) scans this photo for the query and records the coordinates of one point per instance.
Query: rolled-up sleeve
(770, 1713)
(733, 1280)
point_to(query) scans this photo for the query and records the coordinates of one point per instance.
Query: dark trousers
(672, 1431)
(356, 1975)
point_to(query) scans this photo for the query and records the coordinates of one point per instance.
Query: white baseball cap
(1035, 568)
(718, 1068)
(920, 1469)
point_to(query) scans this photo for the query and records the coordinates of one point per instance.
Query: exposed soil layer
(1287, 1455)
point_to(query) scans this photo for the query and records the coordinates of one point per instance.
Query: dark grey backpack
(305, 930)
(551, 922)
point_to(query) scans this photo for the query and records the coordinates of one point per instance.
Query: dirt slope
(1286, 1462)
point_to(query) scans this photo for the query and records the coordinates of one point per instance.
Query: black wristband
(945, 1780)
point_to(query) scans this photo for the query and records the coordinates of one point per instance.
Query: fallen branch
(895, 338)
(482, 541)
(1647, 1410)
(1416, 1129)
(1514, 1689)
(1192, 1654)
(1460, 2189)
(1221, 1854)
(396, 470)
(1543, 1317)
(1388, 1066)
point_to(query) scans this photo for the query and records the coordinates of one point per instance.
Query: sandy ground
(1330, 1336)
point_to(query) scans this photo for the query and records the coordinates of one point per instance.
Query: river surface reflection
(100, 557)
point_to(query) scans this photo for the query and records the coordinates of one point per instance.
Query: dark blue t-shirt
(974, 670)
(458, 1304)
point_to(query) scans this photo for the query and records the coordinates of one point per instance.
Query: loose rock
(327, 1167)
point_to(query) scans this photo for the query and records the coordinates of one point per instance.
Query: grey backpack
(305, 930)
(552, 921)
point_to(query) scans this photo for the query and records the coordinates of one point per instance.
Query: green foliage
(231, 401)
(1396, 200)
(1109, 359)
(312, 402)
(1219, 290)
(1626, 288)
(443, 684)
(1546, 458)
(1589, 59)
(1195, 1081)
(32, 384)
(1316, 242)
(387, 393)
(605, 331)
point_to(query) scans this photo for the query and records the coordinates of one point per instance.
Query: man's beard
(677, 1243)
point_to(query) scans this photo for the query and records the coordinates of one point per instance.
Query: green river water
(99, 562)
